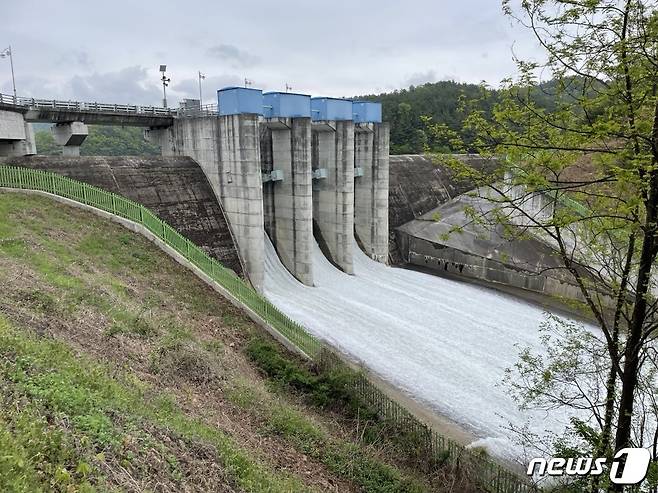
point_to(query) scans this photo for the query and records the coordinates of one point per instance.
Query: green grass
(100, 409)
(330, 389)
(344, 458)
(36, 456)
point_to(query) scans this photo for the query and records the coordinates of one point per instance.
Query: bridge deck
(53, 111)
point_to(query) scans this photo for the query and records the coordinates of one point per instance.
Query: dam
(292, 193)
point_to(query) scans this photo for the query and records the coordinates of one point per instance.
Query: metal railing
(205, 110)
(488, 474)
(53, 104)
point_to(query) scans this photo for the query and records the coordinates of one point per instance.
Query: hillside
(404, 108)
(102, 141)
(121, 371)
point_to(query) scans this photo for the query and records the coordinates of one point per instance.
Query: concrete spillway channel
(444, 343)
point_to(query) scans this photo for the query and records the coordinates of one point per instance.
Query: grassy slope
(119, 370)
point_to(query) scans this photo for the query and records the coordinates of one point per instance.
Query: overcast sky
(110, 51)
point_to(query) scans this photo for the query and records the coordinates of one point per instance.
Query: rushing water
(443, 342)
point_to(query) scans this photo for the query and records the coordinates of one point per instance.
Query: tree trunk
(633, 343)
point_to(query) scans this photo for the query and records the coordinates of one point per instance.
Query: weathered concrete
(175, 188)
(227, 149)
(418, 184)
(70, 136)
(16, 135)
(371, 145)
(97, 117)
(163, 137)
(241, 188)
(288, 203)
(482, 252)
(333, 196)
(12, 126)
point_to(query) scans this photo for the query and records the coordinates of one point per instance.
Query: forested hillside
(403, 110)
(102, 141)
(440, 101)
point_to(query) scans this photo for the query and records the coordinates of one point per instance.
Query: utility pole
(7, 52)
(201, 77)
(165, 82)
(248, 82)
(288, 88)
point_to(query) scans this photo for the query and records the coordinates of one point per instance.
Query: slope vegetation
(121, 371)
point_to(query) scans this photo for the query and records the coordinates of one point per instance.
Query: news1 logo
(629, 466)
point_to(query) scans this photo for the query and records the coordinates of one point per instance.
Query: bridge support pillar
(333, 190)
(163, 137)
(70, 136)
(287, 193)
(371, 150)
(16, 135)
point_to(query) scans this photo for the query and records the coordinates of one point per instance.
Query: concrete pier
(70, 136)
(163, 137)
(241, 188)
(371, 160)
(227, 148)
(333, 190)
(16, 135)
(285, 164)
(287, 195)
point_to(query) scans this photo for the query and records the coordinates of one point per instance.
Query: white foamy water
(443, 342)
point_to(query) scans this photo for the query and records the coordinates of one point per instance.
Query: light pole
(201, 77)
(165, 83)
(8, 53)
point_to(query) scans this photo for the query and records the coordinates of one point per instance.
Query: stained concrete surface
(418, 184)
(446, 239)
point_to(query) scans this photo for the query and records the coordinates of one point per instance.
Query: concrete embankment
(175, 188)
(430, 229)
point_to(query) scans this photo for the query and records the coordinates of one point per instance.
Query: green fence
(488, 474)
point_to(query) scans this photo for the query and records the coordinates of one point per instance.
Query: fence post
(114, 205)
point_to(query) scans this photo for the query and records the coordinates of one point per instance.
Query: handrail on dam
(53, 104)
(491, 476)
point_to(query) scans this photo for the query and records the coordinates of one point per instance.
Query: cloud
(233, 55)
(189, 88)
(80, 58)
(380, 46)
(130, 85)
(420, 78)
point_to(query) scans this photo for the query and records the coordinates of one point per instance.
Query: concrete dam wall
(427, 202)
(417, 184)
(175, 188)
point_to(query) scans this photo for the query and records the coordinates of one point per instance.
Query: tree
(594, 155)
(46, 143)
(102, 141)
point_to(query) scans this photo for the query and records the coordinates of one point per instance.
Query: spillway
(444, 343)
